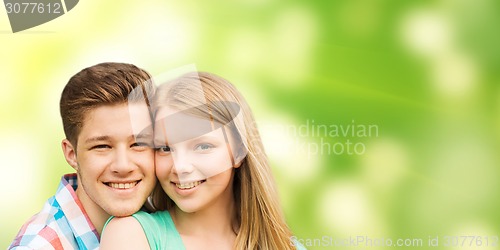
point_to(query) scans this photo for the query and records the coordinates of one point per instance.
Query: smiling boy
(107, 124)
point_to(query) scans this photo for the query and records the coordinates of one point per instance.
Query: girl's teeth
(188, 185)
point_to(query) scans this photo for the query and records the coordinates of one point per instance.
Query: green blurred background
(424, 73)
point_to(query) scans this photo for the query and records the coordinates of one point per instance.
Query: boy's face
(115, 159)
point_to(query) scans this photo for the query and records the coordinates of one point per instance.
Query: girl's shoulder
(161, 218)
(160, 230)
(116, 229)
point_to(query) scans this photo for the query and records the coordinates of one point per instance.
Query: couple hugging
(178, 166)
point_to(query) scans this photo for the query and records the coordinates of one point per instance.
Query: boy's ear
(69, 153)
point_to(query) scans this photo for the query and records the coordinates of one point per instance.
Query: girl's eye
(163, 149)
(204, 146)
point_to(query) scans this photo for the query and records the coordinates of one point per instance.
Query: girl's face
(193, 160)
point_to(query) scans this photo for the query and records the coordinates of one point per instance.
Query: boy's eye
(100, 146)
(140, 144)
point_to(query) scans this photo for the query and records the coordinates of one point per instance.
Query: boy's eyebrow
(97, 138)
(143, 135)
(108, 138)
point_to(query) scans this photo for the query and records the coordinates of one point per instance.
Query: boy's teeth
(188, 185)
(123, 185)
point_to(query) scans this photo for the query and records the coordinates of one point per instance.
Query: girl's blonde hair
(258, 214)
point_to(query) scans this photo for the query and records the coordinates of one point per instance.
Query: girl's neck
(214, 226)
(219, 219)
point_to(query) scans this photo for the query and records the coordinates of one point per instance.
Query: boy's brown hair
(98, 85)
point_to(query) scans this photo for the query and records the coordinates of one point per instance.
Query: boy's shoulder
(61, 224)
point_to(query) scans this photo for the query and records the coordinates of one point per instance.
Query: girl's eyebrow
(160, 142)
(202, 137)
(207, 136)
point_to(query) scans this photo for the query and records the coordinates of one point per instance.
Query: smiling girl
(216, 188)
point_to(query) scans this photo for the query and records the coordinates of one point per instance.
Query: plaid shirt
(62, 223)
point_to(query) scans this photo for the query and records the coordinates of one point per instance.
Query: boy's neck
(95, 213)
